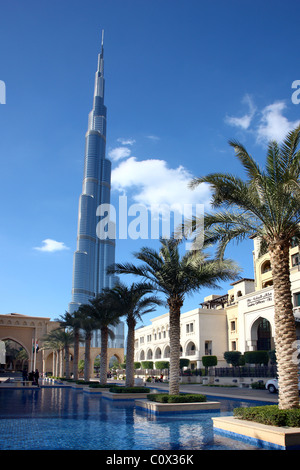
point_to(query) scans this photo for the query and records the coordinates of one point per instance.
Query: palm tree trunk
(67, 362)
(285, 328)
(53, 362)
(174, 321)
(57, 363)
(130, 353)
(61, 362)
(76, 353)
(87, 356)
(103, 357)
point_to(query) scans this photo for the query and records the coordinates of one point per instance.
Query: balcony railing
(191, 352)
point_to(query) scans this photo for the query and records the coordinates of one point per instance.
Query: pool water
(67, 419)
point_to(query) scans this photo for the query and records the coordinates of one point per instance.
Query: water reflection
(83, 421)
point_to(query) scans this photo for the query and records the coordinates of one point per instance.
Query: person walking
(24, 376)
(36, 377)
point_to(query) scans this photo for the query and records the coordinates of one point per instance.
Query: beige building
(241, 320)
(202, 332)
(24, 332)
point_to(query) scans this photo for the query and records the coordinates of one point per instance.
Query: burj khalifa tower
(94, 254)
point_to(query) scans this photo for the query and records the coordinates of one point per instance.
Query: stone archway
(190, 349)
(142, 355)
(14, 356)
(167, 352)
(149, 355)
(157, 354)
(27, 331)
(261, 335)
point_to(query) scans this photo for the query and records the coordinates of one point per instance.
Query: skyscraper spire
(93, 255)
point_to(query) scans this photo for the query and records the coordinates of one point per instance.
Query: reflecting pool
(57, 418)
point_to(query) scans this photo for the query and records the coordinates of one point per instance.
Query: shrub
(209, 361)
(183, 362)
(147, 364)
(232, 357)
(269, 414)
(97, 385)
(182, 398)
(272, 357)
(258, 385)
(162, 365)
(256, 357)
(129, 389)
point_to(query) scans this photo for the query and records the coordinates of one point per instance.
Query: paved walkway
(230, 392)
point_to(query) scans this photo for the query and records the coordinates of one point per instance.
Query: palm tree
(87, 324)
(60, 339)
(50, 341)
(132, 303)
(101, 311)
(267, 205)
(175, 277)
(73, 321)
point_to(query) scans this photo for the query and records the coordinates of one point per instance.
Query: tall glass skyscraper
(93, 255)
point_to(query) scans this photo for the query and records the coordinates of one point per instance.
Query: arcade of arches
(19, 334)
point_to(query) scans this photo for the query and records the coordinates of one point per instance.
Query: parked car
(272, 385)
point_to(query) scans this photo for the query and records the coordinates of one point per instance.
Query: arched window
(190, 349)
(158, 353)
(265, 267)
(149, 354)
(167, 352)
(142, 355)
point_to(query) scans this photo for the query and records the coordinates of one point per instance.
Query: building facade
(27, 333)
(241, 320)
(95, 247)
(250, 307)
(202, 333)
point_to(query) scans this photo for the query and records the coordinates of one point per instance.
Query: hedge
(129, 389)
(162, 365)
(269, 414)
(147, 364)
(97, 385)
(233, 357)
(209, 361)
(256, 357)
(182, 398)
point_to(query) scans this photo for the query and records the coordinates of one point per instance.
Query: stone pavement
(230, 392)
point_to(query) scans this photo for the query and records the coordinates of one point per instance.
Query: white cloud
(273, 125)
(51, 246)
(153, 137)
(244, 121)
(119, 153)
(126, 141)
(270, 123)
(153, 182)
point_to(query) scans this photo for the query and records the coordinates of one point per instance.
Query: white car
(272, 385)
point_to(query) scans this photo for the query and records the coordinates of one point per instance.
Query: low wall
(236, 381)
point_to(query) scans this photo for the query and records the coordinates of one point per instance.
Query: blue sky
(182, 78)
